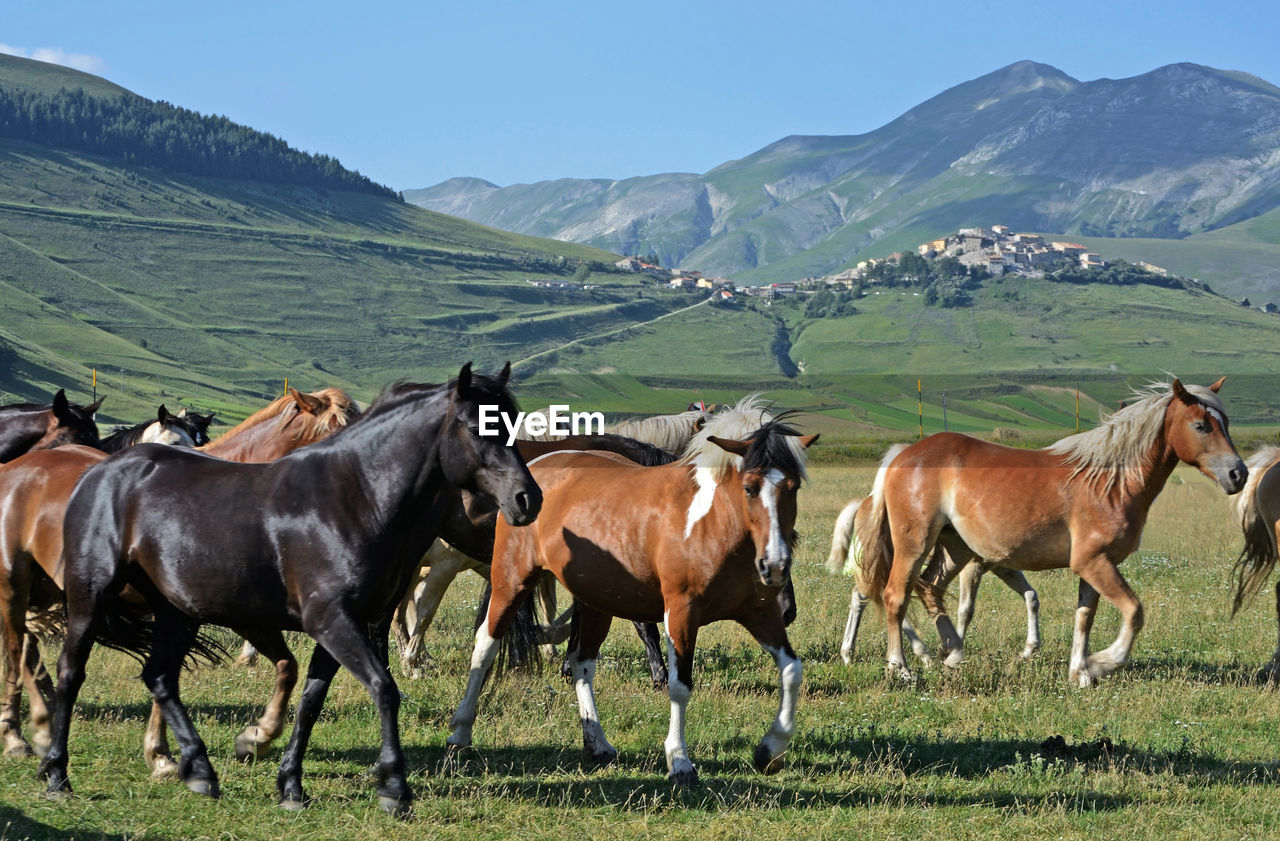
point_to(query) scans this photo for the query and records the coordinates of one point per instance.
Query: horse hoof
(248, 748)
(954, 658)
(19, 749)
(599, 758)
(766, 761)
(164, 768)
(395, 806)
(208, 788)
(58, 795)
(684, 778)
(900, 674)
(291, 805)
(1028, 653)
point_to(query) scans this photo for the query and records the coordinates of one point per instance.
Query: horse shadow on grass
(14, 823)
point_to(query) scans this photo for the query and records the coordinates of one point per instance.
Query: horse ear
(182, 413)
(1180, 392)
(1214, 388)
(162, 414)
(738, 448)
(464, 380)
(505, 375)
(308, 403)
(807, 440)
(61, 407)
(93, 407)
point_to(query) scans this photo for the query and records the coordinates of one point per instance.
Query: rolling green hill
(210, 292)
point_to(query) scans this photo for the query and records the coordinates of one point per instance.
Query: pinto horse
(183, 429)
(321, 540)
(853, 518)
(611, 532)
(41, 426)
(1080, 503)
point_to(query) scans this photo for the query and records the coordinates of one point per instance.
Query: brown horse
(1258, 508)
(853, 517)
(41, 426)
(33, 497)
(1080, 503)
(690, 543)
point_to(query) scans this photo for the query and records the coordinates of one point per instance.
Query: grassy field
(961, 754)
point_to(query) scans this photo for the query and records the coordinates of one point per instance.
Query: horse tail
(872, 556)
(129, 627)
(838, 560)
(1259, 555)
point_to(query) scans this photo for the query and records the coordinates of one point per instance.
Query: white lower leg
(1080, 647)
(857, 604)
(464, 717)
(1033, 622)
(679, 767)
(594, 744)
(768, 757)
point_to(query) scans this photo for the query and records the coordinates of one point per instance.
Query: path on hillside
(610, 332)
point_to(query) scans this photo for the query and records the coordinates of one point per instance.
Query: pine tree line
(161, 135)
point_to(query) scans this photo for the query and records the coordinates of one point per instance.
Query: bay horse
(853, 518)
(322, 540)
(707, 538)
(33, 498)
(41, 426)
(1079, 503)
(34, 489)
(1258, 509)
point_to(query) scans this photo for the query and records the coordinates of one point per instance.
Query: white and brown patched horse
(853, 517)
(703, 539)
(1258, 508)
(1080, 503)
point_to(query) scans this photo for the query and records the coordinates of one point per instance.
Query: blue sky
(411, 93)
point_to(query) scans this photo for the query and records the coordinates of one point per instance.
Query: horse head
(771, 473)
(1196, 427)
(172, 430)
(70, 424)
(484, 464)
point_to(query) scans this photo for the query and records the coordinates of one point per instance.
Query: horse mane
(123, 436)
(745, 421)
(668, 432)
(339, 411)
(1114, 450)
(1257, 559)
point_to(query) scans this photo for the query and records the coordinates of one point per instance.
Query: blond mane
(339, 410)
(1115, 450)
(735, 422)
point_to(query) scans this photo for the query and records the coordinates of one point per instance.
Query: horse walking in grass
(853, 518)
(707, 538)
(322, 540)
(1258, 509)
(1080, 503)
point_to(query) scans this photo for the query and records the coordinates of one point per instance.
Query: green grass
(958, 755)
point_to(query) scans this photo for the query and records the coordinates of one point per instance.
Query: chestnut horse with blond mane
(1080, 503)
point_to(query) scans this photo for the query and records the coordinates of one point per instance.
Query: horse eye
(1202, 427)
(750, 491)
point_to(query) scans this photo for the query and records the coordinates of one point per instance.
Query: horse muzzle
(773, 573)
(1231, 476)
(522, 507)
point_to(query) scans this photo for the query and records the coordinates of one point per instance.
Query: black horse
(323, 540)
(186, 429)
(39, 426)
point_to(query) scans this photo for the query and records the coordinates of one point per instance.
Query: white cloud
(57, 55)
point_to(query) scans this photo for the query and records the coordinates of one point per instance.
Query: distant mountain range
(1180, 150)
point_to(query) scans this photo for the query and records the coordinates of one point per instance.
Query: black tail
(521, 643)
(128, 629)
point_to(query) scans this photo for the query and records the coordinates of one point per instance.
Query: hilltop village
(997, 250)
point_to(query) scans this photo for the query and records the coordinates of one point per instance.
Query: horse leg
(248, 655)
(970, 578)
(71, 666)
(13, 628)
(1086, 609)
(440, 566)
(173, 637)
(155, 746)
(593, 629)
(1271, 671)
(1018, 582)
(681, 629)
(648, 633)
(911, 546)
(320, 672)
(950, 557)
(256, 739)
(507, 593)
(857, 604)
(769, 630)
(39, 694)
(1103, 577)
(348, 642)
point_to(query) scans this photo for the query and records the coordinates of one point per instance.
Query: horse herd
(315, 517)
